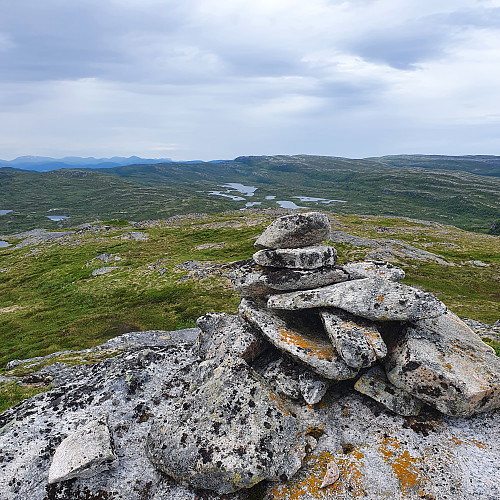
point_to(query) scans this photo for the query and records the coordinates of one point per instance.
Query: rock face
(443, 363)
(371, 298)
(295, 231)
(83, 454)
(303, 258)
(373, 269)
(231, 432)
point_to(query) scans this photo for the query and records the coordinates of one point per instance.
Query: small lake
(232, 196)
(318, 200)
(270, 197)
(241, 188)
(288, 204)
(5, 212)
(249, 204)
(4, 244)
(57, 218)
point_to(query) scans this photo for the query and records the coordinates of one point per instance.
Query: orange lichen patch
(380, 298)
(307, 482)
(279, 402)
(404, 466)
(315, 347)
(480, 445)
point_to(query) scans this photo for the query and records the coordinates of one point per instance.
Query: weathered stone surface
(373, 269)
(356, 340)
(227, 434)
(252, 280)
(331, 475)
(443, 362)
(374, 383)
(377, 299)
(295, 231)
(297, 258)
(84, 453)
(382, 455)
(305, 343)
(289, 378)
(221, 334)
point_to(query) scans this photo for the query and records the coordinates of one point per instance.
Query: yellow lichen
(319, 349)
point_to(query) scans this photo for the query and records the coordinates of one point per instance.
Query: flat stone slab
(374, 384)
(297, 258)
(295, 231)
(84, 453)
(373, 269)
(443, 362)
(358, 341)
(377, 299)
(252, 280)
(313, 348)
(229, 433)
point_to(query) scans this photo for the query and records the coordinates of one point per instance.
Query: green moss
(11, 394)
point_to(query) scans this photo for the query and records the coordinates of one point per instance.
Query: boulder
(357, 341)
(84, 453)
(373, 269)
(442, 362)
(374, 384)
(297, 258)
(377, 299)
(305, 342)
(252, 280)
(295, 231)
(229, 433)
(222, 333)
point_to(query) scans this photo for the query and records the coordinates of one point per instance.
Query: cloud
(210, 79)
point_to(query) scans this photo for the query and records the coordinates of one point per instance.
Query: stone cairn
(305, 324)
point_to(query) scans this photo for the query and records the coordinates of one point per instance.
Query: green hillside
(139, 192)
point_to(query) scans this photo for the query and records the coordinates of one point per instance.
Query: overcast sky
(215, 79)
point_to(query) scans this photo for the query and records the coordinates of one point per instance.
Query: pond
(5, 212)
(4, 244)
(288, 204)
(57, 218)
(320, 200)
(241, 188)
(232, 196)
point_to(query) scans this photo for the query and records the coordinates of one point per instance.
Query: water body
(4, 244)
(241, 188)
(5, 212)
(270, 197)
(249, 204)
(57, 218)
(219, 193)
(288, 204)
(320, 200)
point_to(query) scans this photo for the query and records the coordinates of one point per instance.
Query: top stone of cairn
(295, 231)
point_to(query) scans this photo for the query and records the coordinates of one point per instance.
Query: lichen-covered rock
(443, 362)
(252, 280)
(84, 453)
(289, 378)
(295, 231)
(358, 341)
(374, 383)
(306, 342)
(377, 299)
(221, 334)
(373, 269)
(297, 258)
(229, 433)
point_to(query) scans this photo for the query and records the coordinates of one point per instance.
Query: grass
(12, 393)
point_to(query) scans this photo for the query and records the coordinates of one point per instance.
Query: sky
(216, 79)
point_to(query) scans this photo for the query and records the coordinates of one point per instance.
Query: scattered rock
(331, 475)
(103, 270)
(84, 453)
(297, 258)
(442, 362)
(135, 235)
(371, 298)
(295, 231)
(374, 383)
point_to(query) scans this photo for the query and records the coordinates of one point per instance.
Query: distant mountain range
(475, 164)
(46, 164)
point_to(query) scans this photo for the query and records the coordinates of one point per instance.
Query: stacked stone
(332, 319)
